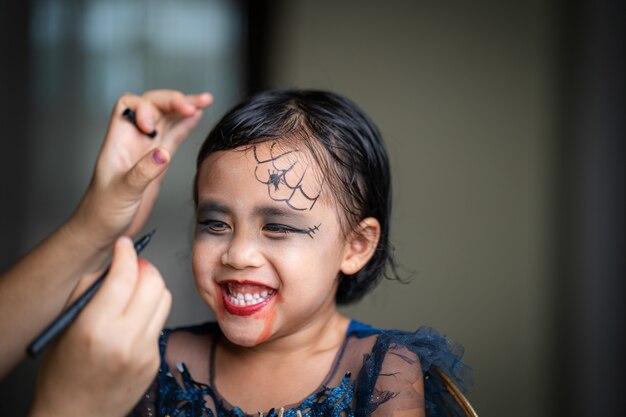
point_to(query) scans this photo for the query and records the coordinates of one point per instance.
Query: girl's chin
(247, 336)
(250, 330)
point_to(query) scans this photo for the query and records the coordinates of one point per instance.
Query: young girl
(293, 200)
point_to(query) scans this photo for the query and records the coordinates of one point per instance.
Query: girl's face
(268, 246)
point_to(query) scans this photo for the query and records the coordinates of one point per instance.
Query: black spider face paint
(288, 178)
(311, 230)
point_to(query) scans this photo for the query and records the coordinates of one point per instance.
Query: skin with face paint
(266, 259)
(265, 268)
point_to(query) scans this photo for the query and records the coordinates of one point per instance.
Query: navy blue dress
(373, 374)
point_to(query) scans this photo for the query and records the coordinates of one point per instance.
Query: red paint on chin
(219, 310)
(268, 324)
(242, 310)
(269, 319)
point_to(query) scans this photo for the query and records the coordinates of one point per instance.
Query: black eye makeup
(275, 222)
(213, 226)
(281, 229)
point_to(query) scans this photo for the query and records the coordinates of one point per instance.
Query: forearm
(35, 289)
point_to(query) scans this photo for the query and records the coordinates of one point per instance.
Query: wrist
(84, 236)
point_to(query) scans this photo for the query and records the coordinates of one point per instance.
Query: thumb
(147, 169)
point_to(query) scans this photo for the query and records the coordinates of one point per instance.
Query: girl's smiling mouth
(244, 298)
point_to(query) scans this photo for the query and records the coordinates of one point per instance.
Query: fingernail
(150, 124)
(158, 157)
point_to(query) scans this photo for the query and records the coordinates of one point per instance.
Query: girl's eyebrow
(270, 211)
(211, 206)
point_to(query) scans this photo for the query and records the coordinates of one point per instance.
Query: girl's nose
(242, 253)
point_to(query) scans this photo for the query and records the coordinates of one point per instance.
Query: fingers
(173, 101)
(130, 167)
(145, 117)
(107, 359)
(168, 101)
(133, 293)
(154, 105)
(157, 322)
(151, 302)
(119, 284)
(146, 170)
(202, 100)
(149, 289)
(179, 132)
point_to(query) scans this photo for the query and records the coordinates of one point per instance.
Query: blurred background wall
(504, 124)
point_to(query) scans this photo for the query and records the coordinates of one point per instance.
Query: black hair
(347, 146)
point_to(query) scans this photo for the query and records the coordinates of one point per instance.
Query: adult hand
(108, 357)
(130, 167)
(119, 199)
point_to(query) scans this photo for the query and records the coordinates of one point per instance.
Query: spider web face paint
(287, 176)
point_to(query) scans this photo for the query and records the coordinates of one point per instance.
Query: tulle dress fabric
(375, 373)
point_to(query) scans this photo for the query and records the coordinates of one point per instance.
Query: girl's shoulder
(202, 334)
(190, 345)
(210, 327)
(428, 345)
(397, 362)
(179, 347)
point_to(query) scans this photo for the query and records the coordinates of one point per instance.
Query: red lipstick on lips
(240, 310)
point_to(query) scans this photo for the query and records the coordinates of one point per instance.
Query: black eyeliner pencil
(66, 317)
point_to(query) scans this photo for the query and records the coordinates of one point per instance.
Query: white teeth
(248, 299)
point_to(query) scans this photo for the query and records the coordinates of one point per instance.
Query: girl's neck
(294, 365)
(313, 336)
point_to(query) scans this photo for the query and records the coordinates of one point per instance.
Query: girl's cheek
(210, 293)
(219, 307)
(203, 273)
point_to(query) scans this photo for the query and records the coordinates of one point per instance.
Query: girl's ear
(360, 245)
